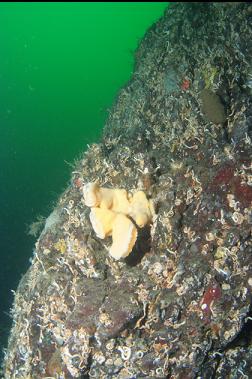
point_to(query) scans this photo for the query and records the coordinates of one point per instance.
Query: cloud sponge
(112, 212)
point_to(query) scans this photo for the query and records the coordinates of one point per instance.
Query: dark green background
(61, 65)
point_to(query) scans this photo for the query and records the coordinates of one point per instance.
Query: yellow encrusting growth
(111, 214)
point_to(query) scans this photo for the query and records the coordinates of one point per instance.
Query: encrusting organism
(112, 212)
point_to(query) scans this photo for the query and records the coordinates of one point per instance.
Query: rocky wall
(179, 306)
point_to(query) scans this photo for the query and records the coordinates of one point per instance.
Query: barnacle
(112, 212)
(238, 218)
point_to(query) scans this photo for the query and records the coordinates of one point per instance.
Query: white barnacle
(139, 354)
(125, 352)
(99, 357)
(238, 218)
(70, 204)
(160, 371)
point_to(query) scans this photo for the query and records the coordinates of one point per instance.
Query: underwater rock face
(179, 306)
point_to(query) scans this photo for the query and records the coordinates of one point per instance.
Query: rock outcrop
(179, 306)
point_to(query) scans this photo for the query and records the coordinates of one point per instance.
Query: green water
(61, 65)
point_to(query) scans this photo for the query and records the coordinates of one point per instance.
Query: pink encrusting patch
(226, 177)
